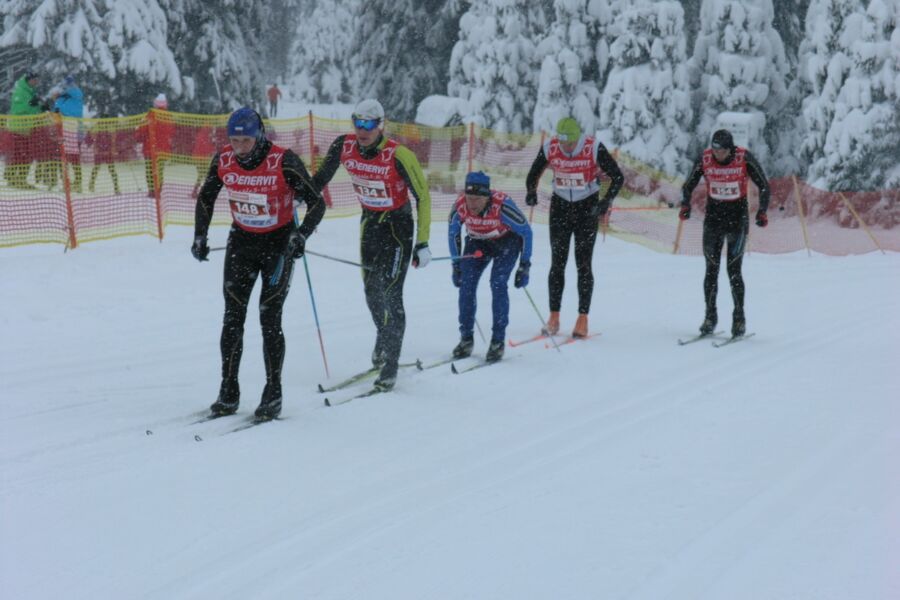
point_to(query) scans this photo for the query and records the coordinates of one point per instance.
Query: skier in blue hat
(498, 233)
(262, 180)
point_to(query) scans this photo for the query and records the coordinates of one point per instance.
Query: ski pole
(340, 260)
(480, 332)
(312, 298)
(543, 322)
(279, 268)
(476, 254)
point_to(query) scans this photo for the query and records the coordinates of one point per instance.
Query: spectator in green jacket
(25, 102)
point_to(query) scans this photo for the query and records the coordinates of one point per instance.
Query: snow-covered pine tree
(646, 105)
(789, 23)
(568, 56)
(219, 45)
(691, 20)
(493, 66)
(320, 53)
(824, 65)
(400, 51)
(862, 147)
(603, 30)
(114, 48)
(739, 65)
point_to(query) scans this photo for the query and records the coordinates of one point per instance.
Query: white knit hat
(369, 109)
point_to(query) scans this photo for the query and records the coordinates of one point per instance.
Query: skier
(726, 168)
(383, 174)
(575, 209)
(489, 216)
(262, 181)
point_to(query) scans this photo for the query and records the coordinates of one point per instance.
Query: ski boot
(228, 400)
(495, 351)
(709, 323)
(378, 357)
(270, 406)
(464, 347)
(552, 327)
(387, 377)
(738, 324)
(581, 327)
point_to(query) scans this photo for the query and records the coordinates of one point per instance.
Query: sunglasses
(366, 124)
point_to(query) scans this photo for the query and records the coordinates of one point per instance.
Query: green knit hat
(568, 129)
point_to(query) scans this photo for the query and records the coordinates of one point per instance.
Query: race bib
(371, 193)
(570, 180)
(251, 210)
(725, 190)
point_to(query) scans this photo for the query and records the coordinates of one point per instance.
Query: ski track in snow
(624, 467)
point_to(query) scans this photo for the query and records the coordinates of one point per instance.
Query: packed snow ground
(624, 467)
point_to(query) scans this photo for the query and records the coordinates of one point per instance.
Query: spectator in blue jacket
(498, 232)
(70, 103)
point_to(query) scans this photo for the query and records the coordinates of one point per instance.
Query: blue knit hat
(245, 121)
(478, 184)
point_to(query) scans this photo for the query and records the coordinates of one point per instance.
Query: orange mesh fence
(77, 180)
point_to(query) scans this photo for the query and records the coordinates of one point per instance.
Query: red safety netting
(77, 180)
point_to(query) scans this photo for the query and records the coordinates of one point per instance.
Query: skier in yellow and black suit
(383, 173)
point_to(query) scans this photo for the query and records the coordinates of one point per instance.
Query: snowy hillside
(622, 467)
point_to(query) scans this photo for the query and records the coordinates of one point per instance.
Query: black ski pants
(248, 256)
(724, 222)
(386, 242)
(569, 219)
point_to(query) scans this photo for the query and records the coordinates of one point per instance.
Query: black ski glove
(599, 208)
(522, 274)
(531, 198)
(456, 277)
(200, 249)
(684, 213)
(295, 245)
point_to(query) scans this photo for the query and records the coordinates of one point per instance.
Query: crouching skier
(489, 216)
(262, 180)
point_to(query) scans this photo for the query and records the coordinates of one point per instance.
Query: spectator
(274, 95)
(70, 103)
(25, 102)
(106, 143)
(159, 143)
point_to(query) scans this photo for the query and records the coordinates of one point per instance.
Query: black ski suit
(250, 255)
(578, 219)
(726, 222)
